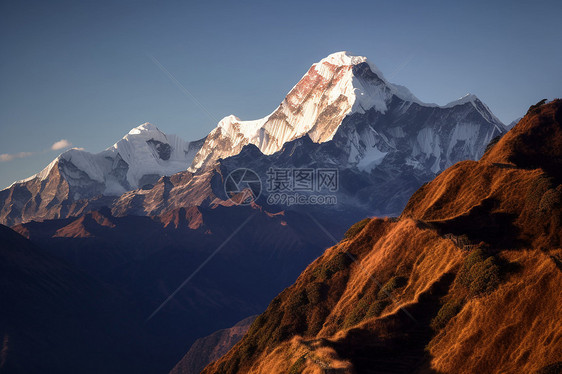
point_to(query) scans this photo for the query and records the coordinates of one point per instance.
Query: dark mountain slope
(210, 348)
(53, 319)
(149, 257)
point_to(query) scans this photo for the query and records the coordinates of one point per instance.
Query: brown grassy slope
(468, 279)
(514, 188)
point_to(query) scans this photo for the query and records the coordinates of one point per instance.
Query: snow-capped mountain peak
(344, 58)
(145, 128)
(334, 88)
(370, 125)
(468, 98)
(480, 107)
(140, 158)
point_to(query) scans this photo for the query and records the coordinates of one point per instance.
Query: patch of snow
(143, 159)
(363, 97)
(233, 126)
(42, 175)
(480, 107)
(428, 144)
(468, 98)
(369, 96)
(353, 94)
(87, 162)
(372, 158)
(136, 151)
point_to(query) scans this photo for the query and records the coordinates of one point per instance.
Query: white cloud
(61, 144)
(5, 157)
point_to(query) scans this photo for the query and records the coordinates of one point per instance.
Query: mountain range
(343, 113)
(141, 216)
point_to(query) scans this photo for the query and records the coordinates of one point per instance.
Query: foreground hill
(467, 280)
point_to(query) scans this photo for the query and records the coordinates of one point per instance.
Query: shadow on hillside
(400, 338)
(482, 224)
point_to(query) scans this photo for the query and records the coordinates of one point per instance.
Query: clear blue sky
(81, 71)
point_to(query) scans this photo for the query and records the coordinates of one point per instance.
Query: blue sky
(82, 70)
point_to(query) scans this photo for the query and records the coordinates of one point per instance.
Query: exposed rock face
(369, 128)
(466, 280)
(382, 158)
(79, 181)
(342, 86)
(342, 114)
(211, 348)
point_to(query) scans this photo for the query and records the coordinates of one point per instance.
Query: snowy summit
(340, 84)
